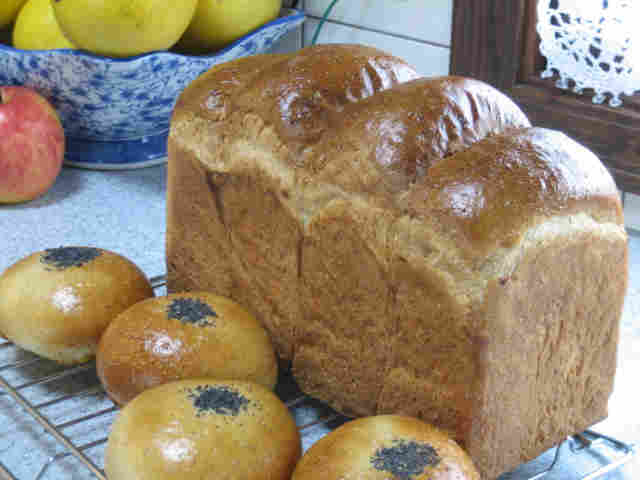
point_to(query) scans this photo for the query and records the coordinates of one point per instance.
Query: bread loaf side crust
(391, 247)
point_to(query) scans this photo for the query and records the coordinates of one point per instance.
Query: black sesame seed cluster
(221, 400)
(191, 311)
(404, 460)
(62, 258)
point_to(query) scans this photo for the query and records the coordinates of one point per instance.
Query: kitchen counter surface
(121, 210)
(124, 211)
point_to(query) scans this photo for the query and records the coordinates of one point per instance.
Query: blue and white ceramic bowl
(116, 112)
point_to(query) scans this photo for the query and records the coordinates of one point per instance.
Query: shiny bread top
(451, 151)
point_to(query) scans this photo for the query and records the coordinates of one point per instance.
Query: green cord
(322, 20)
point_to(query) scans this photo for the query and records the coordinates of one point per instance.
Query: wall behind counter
(417, 30)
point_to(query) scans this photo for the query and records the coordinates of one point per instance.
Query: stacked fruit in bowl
(113, 69)
(122, 28)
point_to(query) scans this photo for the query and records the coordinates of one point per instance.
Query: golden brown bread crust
(381, 251)
(203, 428)
(383, 447)
(57, 302)
(180, 336)
(488, 195)
(306, 87)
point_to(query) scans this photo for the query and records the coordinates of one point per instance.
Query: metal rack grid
(66, 414)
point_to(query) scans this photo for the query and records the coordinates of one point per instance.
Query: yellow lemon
(36, 28)
(8, 11)
(122, 28)
(217, 23)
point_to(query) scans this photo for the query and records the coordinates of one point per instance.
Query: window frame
(496, 41)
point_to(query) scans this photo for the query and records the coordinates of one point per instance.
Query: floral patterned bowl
(116, 112)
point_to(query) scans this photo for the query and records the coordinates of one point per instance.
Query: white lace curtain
(592, 44)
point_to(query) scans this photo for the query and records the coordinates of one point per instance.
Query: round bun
(56, 303)
(386, 446)
(180, 336)
(203, 428)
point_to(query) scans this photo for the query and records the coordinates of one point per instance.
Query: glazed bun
(180, 336)
(386, 446)
(203, 428)
(56, 303)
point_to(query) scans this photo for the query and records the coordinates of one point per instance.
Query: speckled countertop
(124, 211)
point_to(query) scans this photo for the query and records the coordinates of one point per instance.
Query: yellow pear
(36, 28)
(217, 23)
(8, 11)
(122, 28)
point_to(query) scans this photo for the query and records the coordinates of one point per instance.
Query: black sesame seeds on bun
(57, 302)
(386, 447)
(180, 336)
(190, 428)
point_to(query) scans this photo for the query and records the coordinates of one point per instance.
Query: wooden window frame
(496, 41)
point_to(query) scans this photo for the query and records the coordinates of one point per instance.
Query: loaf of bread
(384, 447)
(413, 245)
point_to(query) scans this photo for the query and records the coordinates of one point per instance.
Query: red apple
(31, 144)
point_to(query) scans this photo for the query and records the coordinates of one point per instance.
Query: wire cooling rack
(55, 420)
